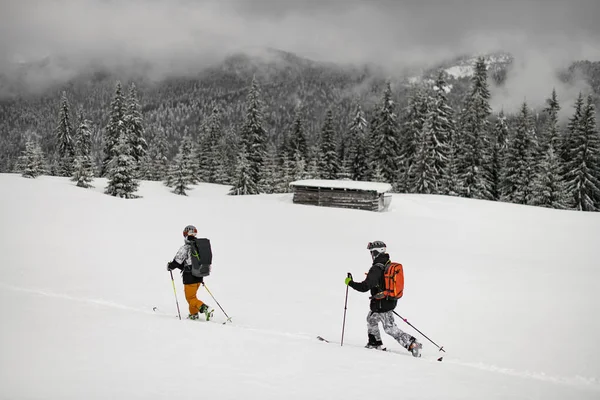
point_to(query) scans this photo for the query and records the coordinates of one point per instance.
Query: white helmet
(376, 248)
(190, 230)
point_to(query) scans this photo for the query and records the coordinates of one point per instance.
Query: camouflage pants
(389, 327)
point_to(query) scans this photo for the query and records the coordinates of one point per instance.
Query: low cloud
(178, 37)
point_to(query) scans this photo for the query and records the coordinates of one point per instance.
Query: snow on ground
(508, 290)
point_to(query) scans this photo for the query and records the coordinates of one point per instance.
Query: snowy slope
(510, 291)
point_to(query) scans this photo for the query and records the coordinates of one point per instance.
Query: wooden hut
(372, 196)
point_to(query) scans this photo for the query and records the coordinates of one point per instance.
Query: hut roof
(379, 187)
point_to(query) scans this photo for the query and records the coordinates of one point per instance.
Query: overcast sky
(179, 35)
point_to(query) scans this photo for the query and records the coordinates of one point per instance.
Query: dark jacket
(186, 273)
(374, 283)
(183, 261)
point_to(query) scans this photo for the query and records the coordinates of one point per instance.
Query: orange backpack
(393, 280)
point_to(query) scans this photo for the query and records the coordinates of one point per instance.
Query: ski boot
(374, 343)
(414, 347)
(206, 310)
(193, 316)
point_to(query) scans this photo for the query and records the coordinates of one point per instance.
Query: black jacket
(374, 283)
(186, 273)
(182, 261)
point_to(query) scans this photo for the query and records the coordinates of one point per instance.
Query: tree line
(424, 147)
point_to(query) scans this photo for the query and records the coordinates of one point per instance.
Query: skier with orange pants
(191, 283)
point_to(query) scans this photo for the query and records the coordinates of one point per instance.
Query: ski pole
(345, 307)
(405, 320)
(175, 292)
(211, 295)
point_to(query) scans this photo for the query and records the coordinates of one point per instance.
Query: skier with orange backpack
(385, 280)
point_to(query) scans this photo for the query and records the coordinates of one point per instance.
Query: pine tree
(359, 167)
(134, 127)
(64, 137)
(254, 138)
(551, 134)
(387, 149)
(417, 111)
(548, 188)
(158, 161)
(474, 126)
(32, 162)
(122, 180)
(212, 159)
(298, 138)
(114, 129)
(179, 176)
(570, 136)
(500, 136)
(312, 168)
(583, 162)
(424, 174)
(454, 184)
(519, 161)
(272, 182)
(439, 132)
(84, 171)
(244, 181)
(330, 163)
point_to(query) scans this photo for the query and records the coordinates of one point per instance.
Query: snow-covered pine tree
(135, 128)
(31, 163)
(64, 137)
(360, 146)
(298, 137)
(568, 141)
(474, 129)
(114, 129)
(583, 162)
(183, 166)
(312, 168)
(244, 182)
(416, 113)
(500, 135)
(548, 187)
(519, 160)
(454, 184)
(83, 172)
(441, 125)
(330, 163)
(188, 152)
(158, 167)
(254, 137)
(386, 148)
(378, 175)
(272, 181)
(121, 169)
(179, 176)
(551, 136)
(212, 159)
(425, 177)
(229, 149)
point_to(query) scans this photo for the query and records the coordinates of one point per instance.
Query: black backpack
(201, 253)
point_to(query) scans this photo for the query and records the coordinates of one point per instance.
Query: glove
(169, 267)
(348, 279)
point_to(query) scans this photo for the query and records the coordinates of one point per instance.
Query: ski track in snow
(578, 381)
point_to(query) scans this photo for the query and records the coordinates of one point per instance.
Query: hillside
(178, 105)
(508, 290)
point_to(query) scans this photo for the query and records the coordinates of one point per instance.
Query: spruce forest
(258, 124)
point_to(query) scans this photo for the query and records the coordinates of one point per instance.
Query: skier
(381, 308)
(191, 283)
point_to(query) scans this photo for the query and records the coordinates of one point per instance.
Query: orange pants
(190, 295)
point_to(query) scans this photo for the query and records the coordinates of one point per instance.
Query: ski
(156, 310)
(322, 339)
